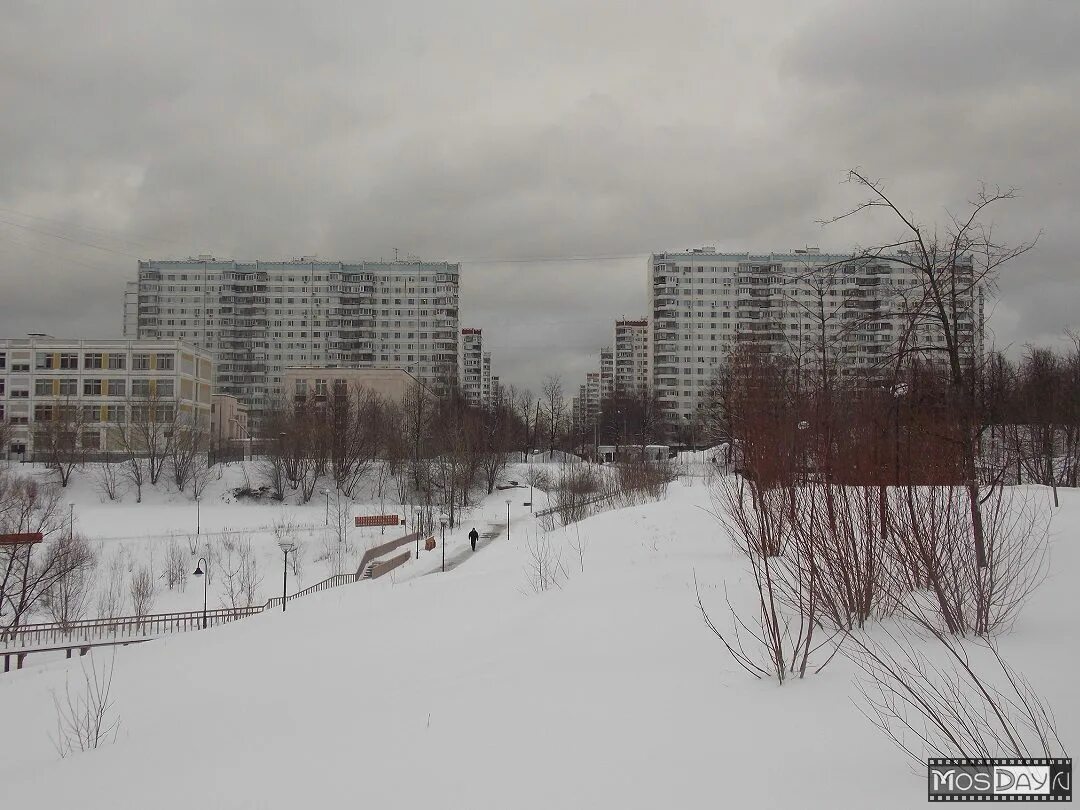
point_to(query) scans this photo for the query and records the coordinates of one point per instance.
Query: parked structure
(705, 304)
(257, 318)
(97, 386)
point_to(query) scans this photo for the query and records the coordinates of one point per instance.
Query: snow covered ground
(471, 690)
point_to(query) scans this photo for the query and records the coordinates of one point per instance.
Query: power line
(68, 239)
(90, 229)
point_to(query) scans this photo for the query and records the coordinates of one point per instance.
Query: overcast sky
(510, 131)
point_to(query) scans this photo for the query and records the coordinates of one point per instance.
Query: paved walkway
(457, 558)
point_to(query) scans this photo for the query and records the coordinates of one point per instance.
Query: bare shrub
(538, 477)
(579, 544)
(142, 589)
(86, 718)
(109, 480)
(836, 541)
(110, 600)
(176, 566)
(545, 570)
(938, 576)
(240, 576)
(577, 487)
(779, 642)
(951, 710)
(641, 481)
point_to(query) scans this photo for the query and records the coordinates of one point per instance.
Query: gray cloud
(481, 130)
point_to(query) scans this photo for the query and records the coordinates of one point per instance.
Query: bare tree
(58, 435)
(554, 408)
(956, 265)
(108, 478)
(69, 597)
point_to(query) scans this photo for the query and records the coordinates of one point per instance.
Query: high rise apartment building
(705, 304)
(631, 355)
(471, 363)
(257, 318)
(607, 372)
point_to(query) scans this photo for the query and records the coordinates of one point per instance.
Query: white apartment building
(105, 379)
(256, 318)
(607, 372)
(704, 304)
(592, 395)
(475, 377)
(485, 379)
(631, 361)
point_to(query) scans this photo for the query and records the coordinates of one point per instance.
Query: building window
(45, 360)
(43, 388)
(117, 361)
(93, 360)
(69, 361)
(117, 388)
(165, 388)
(92, 388)
(165, 362)
(140, 388)
(140, 362)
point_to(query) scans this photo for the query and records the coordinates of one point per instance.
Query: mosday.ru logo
(1016, 779)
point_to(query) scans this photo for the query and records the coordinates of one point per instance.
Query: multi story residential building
(592, 395)
(100, 385)
(485, 379)
(631, 361)
(496, 390)
(607, 372)
(256, 318)
(475, 384)
(706, 304)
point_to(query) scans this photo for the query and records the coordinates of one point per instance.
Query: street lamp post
(285, 549)
(507, 518)
(71, 521)
(416, 526)
(326, 492)
(198, 517)
(443, 522)
(200, 573)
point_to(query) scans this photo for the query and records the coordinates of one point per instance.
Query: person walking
(473, 537)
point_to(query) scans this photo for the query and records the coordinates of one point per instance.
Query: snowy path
(494, 530)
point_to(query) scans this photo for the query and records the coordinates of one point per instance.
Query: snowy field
(471, 689)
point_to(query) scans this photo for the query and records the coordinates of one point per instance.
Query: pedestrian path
(458, 557)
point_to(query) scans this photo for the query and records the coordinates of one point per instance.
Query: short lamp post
(199, 572)
(71, 521)
(198, 517)
(507, 518)
(326, 492)
(285, 549)
(416, 526)
(442, 522)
